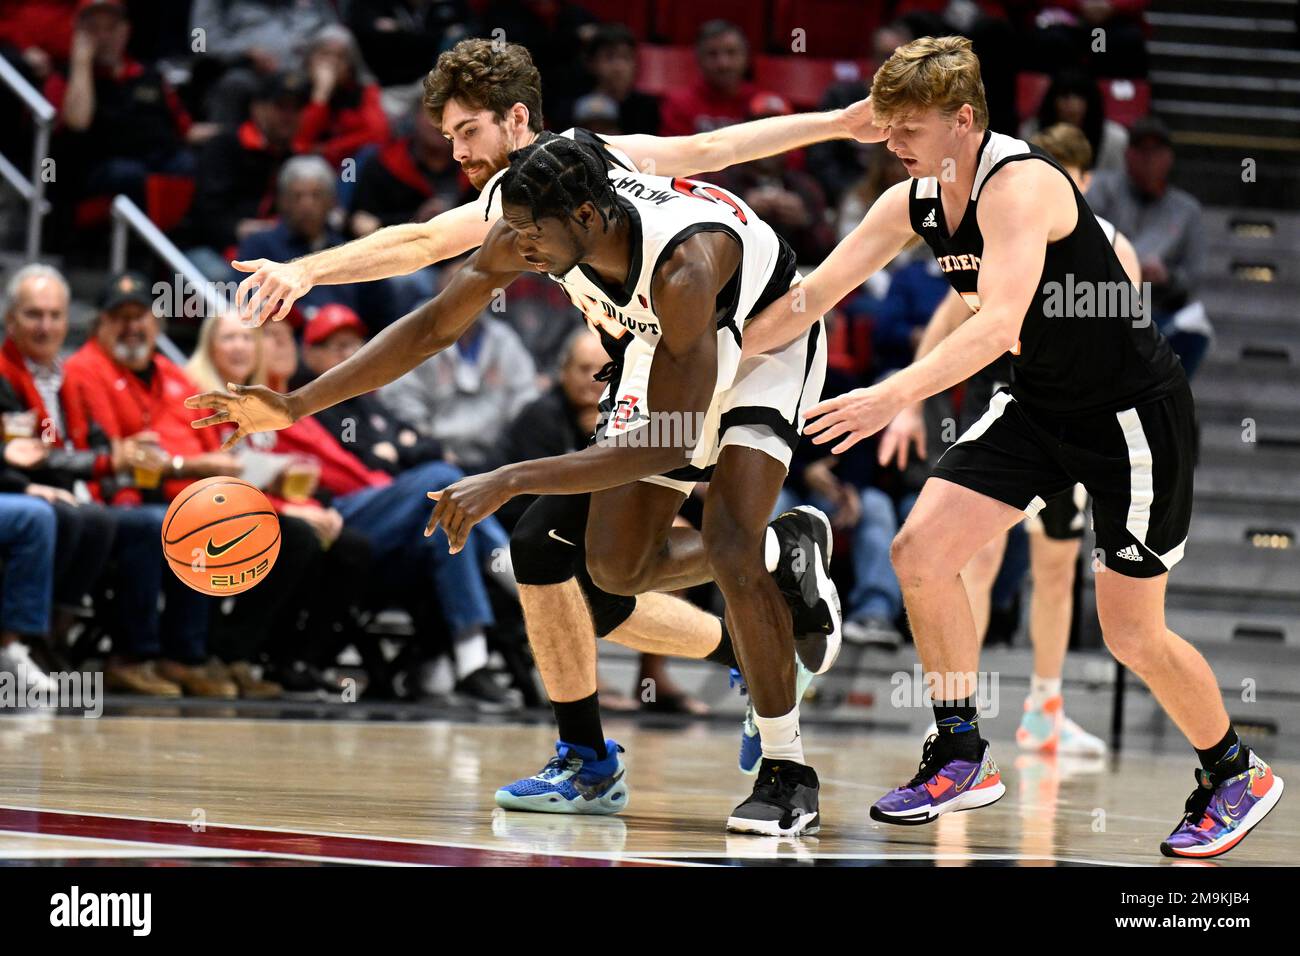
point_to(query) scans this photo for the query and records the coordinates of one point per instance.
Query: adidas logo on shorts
(1131, 553)
(929, 221)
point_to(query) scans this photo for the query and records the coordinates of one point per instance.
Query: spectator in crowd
(882, 170)
(1075, 98)
(245, 40)
(391, 512)
(1164, 224)
(465, 395)
(1067, 32)
(598, 113)
(39, 32)
(135, 395)
(721, 96)
(900, 318)
(298, 618)
(611, 59)
(837, 164)
(788, 199)
(39, 456)
(411, 179)
(122, 120)
(344, 114)
(306, 197)
(402, 38)
(26, 585)
(238, 170)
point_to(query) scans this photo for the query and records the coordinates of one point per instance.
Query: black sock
(724, 653)
(579, 723)
(1228, 757)
(958, 726)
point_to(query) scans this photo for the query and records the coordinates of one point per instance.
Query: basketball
(221, 536)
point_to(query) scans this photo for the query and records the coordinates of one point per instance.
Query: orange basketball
(221, 536)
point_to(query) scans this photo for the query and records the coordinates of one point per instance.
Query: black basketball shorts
(1135, 463)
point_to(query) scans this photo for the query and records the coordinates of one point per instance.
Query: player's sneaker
(797, 550)
(942, 784)
(1220, 812)
(573, 781)
(1046, 730)
(784, 802)
(751, 745)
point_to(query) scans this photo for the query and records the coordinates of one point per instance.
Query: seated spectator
(412, 179)
(133, 393)
(44, 462)
(721, 95)
(344, 113)
(122, 120)
(789, 200)
(238, 171)
(554, 32)
(1067, 32)
(611, 59)
(882, 170)
(26, 585)
(1075, 98)
(838, 164)
(900, 318)
(1164, 224)
(391, 512)
(247, 40)
(306, 197)
(299, 618)
(400, 39)
(465, 395)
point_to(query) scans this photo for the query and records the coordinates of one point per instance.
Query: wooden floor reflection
(331, 791)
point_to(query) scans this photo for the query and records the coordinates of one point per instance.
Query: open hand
(852, 416)
(254, 408)
(270, 291)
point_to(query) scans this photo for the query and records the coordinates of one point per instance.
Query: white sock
(1043, 689)
(780, 736)
(471, 653)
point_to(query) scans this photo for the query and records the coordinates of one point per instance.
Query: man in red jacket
(129, 390)
(721, 95)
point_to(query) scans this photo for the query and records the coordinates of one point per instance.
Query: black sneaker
(481, 690)
(799, 544)
(302, 681)
(784, 802)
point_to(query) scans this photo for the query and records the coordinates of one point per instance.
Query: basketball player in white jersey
(1055, 532)
(486, 98)
(1097, 397)
(670, 270)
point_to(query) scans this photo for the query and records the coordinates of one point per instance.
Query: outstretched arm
(683, 374)
(274, 287)
(388, 356)
(880, 236)
(743, 142)
(1019, 211)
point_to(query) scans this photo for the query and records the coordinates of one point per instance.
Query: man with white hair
(306, 198)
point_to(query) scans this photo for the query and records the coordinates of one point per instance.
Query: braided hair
(554, 176)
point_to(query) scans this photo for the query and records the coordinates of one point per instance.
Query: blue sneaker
(573, 781)
(751, 745)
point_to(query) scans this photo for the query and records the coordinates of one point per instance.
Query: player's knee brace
(608, 611)
(541, 552)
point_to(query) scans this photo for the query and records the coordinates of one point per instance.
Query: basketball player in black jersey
(1096, 397)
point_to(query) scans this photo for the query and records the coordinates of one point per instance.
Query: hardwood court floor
(380, 792)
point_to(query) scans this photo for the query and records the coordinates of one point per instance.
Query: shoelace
(933, 757)
(1199, 801)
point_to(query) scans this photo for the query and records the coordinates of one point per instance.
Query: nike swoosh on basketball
(552, 534)
(217, 550)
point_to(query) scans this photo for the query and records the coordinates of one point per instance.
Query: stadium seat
(803, 79)
(167, 199)
(678, 21)
(1126, 100)
(836, 29)
(634, 14)
(662, 68)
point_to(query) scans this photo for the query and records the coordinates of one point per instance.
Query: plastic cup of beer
(147, 467)
(300, 478)
(19, 424)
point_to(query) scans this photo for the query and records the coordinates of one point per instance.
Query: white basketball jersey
(664, 212)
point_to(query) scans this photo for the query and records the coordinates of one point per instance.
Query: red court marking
(284, 842)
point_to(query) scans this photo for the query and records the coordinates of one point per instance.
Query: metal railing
(32, 190)
(129, 218)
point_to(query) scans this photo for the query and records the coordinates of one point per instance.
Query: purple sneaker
(1220, 813)
(942, 784)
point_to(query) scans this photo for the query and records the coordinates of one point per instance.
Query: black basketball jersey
(1084, 347)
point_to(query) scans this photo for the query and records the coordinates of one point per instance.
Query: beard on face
(132, 354)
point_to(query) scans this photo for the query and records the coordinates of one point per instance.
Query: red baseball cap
(329, 319)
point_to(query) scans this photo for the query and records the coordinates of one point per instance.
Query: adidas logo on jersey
(929, 221)
(1130, 553)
